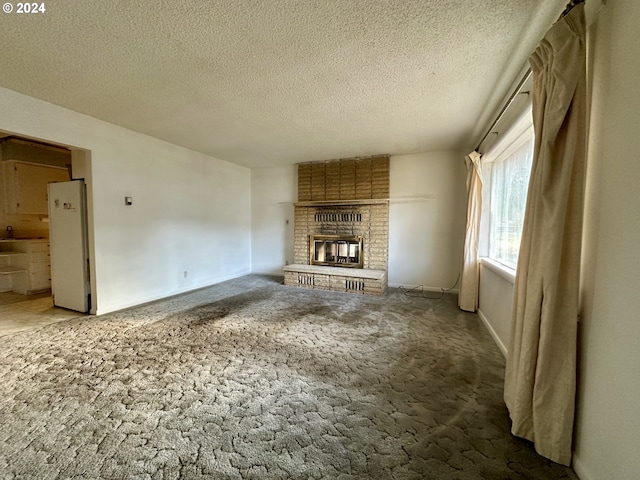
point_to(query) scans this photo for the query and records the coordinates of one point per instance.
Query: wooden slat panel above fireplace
(345, 179)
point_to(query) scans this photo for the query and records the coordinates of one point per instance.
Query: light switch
(128, 200)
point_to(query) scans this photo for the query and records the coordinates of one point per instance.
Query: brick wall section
(378, 241)
(374, 229)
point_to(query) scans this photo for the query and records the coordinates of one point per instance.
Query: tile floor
(24, 312)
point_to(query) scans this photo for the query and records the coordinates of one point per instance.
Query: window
(508, 172)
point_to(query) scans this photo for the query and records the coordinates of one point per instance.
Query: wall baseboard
(578, 468)
(154, 298)
(493, 333)
(426, 289)
(277, 272)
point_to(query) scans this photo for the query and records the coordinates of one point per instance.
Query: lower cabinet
(31, 264)
(39, 267)
(12, 266)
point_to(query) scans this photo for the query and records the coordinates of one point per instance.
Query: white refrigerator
(69, 247)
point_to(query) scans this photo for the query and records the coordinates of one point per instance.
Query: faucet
(9, 231)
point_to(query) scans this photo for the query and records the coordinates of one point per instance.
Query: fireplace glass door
(336, 250)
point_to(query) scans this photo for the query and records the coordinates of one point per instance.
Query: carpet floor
(250, 379)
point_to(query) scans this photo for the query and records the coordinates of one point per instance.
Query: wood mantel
(337, 203)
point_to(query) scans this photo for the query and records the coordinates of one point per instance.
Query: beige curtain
(468, 295)
(541, 363)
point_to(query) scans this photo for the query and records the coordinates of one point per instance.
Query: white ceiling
(271, 82)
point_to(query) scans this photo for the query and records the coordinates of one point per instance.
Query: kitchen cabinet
(26, 186)
(25, 266)
(11, 265)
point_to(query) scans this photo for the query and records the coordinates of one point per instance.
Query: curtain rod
(570, 5)
(512, 98)
(523, 81)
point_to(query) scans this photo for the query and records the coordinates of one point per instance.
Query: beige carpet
(250, 379)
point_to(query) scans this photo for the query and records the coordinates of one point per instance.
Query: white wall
(496, 303)
(608, 408)
(426, 219)
(273, 193)
(190, 212)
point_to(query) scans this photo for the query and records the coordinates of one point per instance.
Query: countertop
(24, 239)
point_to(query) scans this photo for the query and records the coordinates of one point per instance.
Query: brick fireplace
(341, 226)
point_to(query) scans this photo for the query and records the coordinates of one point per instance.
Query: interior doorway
(27, 166)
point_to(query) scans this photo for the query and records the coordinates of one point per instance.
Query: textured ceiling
(263, 83)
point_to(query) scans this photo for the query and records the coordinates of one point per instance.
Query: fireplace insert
(336, 250)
